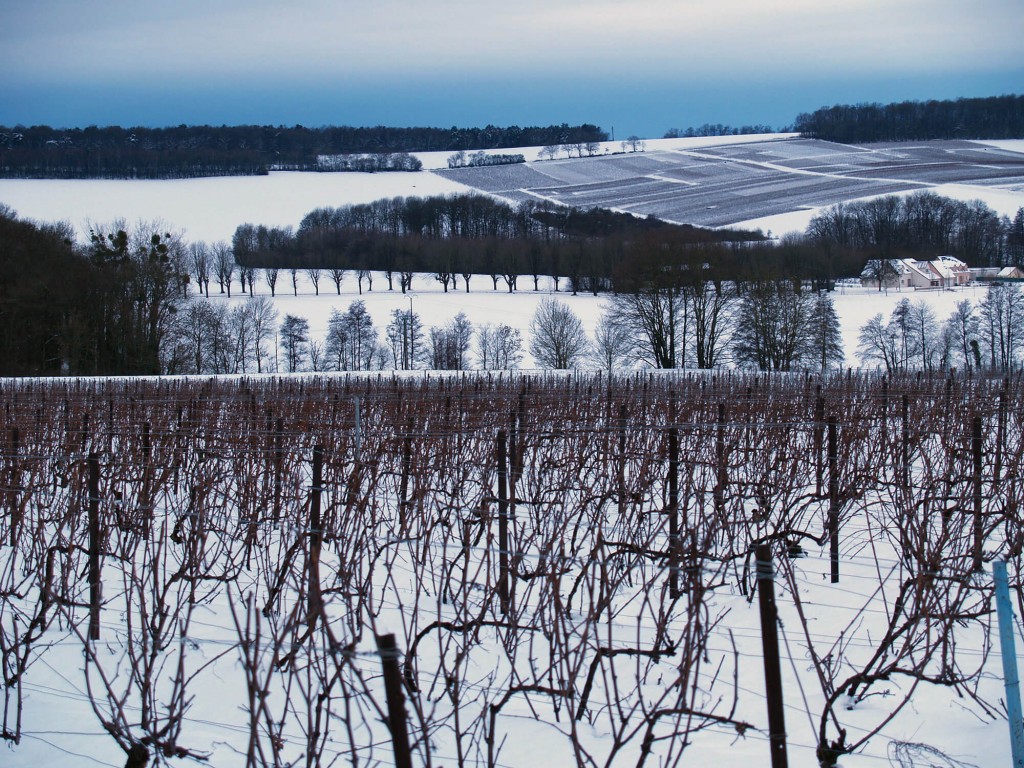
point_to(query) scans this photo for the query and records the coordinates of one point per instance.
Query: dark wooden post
(770, 647)
(504, 596)
(997, 469)
(905, 467)
(145, 503)
(723, 478)
(403, 491)
(389, 654)
(833, 499)
(278, 468)
(94, 546)
(819, 429)
(314, 604)
(674, 547)
(976, 454)
(14, 480)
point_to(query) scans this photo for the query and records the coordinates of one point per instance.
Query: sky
(633, 68)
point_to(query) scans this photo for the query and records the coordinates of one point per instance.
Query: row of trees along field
(194, 151)
(472, 234)
(770, 327)
(213, 566)
(994, 117)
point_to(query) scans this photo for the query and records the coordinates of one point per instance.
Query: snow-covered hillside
(772, 182)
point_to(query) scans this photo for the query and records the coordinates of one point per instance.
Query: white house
(943, 272)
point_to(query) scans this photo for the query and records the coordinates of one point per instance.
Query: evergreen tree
(826, 339)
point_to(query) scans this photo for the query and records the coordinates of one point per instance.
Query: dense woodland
(994, 117)
(194, 151)
(101, 309)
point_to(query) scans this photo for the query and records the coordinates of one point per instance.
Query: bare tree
(614, 345)
(270, 275)
(262, 318)
(201, 262)
(337, 275)
(499, 347)
(557, 338)
(224, 266)
(313, 273)
(448, 346)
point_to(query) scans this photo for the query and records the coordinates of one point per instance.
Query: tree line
(977, 336)
(922, 224)
(195, 151)
(720, 129)
(993, 117)
(462, 236)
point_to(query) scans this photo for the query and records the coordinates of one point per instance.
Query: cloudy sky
(638, 66)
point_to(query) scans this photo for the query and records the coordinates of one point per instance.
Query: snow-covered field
(421, 580)
(774, 183)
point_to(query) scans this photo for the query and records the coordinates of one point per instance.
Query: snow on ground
(434, 160)
(1010, 145)
(210, 209)
(1005, 202)
(855, 305)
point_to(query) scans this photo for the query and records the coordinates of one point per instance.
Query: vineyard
(499, 571)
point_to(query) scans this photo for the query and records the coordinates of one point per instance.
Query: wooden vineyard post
(621, 469)
(905, 446)
(388, 650)
(403, 492)
(770, 647)
(723, 478)
(94, 546)
(12, 487)
(358, 433)
(145, 504)
(819, 429)
(833, 499)
(314, 605)
(278, 461)
(504, 596)
(997, 469)
(673, 511)
(976, 454)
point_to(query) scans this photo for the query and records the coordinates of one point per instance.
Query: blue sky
(639, 67)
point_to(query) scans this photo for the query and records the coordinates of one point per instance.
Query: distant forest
(994, 117)
(196, 151)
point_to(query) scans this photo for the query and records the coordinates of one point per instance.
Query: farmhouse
(943, 272)
(990, 274)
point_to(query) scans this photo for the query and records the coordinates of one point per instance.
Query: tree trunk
(138, 757)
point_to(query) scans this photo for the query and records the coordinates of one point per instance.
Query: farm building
(943, 272)
(990, 274)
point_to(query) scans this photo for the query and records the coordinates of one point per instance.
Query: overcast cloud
(70, 62)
